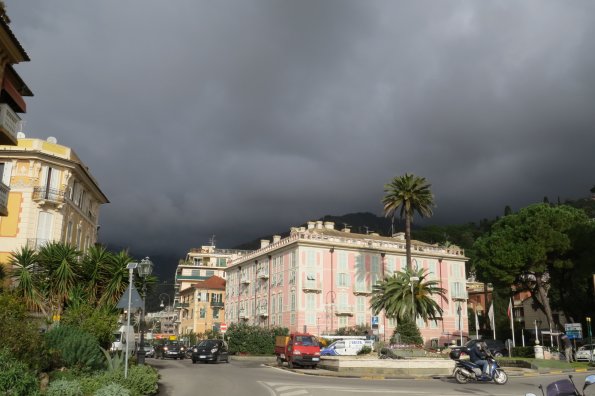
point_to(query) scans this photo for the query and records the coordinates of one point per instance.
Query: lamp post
(144, 268)
(588, 318)
(131, 266)
(168, 301)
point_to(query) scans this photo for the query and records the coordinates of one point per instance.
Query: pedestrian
(567, 347)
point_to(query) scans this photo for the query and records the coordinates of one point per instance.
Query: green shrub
(520, 351)
(142, 380)
(254, 340)
(406, 333)
(64, 387)
(112, 389)
(15, 377)
(16, 326)
(365, 350)
(74, 348)
(99, 322)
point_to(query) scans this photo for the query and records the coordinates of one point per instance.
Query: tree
(522, 249)
(409, 194)
(393, 295)
(406, 333)
(25, 273)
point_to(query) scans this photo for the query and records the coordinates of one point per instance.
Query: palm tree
(25, 274)
(118, 281)
(96, 274)
(394, 296)
(411, 194)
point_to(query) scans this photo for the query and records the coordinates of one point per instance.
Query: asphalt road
(249, 378)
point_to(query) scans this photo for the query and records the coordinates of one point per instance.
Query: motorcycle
(466, 371)
(564, 387)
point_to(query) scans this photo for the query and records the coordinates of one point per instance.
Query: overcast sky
(244, 118)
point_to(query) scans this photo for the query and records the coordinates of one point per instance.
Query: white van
(345, 347)
(124, 338)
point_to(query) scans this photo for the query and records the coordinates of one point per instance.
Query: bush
(254, 340)
(64, 387)
(15, 377)
(112, 389)
(406, 333)
(365, 350)
(16, 326)
(521, 351)
(99, 322)
(142, 380)
(74, 348)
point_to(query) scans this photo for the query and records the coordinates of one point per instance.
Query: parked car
(149, 350)
(210, 351)
(496, 347)
(585, 353)
(171, 349)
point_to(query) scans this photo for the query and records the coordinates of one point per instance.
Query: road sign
(574, 331)
(223, 327)
(374, 322)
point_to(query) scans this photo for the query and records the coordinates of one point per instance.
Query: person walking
(567, 347)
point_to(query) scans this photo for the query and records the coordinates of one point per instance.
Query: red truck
(297, 349)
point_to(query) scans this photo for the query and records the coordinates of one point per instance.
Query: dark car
(210, 351)
(173, 350)
(496, 347)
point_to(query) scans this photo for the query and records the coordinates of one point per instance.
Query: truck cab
(124, 338)
(297, 349)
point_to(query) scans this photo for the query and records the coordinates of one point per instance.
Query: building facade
(200, 264)
(12, 91)
(53, 197)
(320, 279)
(203, 306)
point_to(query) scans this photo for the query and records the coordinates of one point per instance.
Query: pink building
(320, 279)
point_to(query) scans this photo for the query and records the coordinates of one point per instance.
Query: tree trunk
(408, 240)
(547, 310)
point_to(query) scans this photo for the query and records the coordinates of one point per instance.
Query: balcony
(180, 305)
(361, 290)
(312, 286)
(48, 195)
(459, 294)
(343, 310)
(245, 280)
(217, 304)
(9, 125)
(4, 190)
(263, 311)
(263, 274)
(243, 314)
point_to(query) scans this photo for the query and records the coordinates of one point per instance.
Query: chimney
(276, 238)
(264, 243)
(311, 225)
(319, 225)
(329, 225)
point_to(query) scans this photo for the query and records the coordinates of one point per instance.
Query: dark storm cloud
(243, 118)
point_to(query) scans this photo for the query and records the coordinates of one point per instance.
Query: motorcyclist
(478, 354)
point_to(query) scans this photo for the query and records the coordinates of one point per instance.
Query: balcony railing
(361, 289)
(245, 280)
(9, 124)
(341, 310)
(36, 243)
(459, 294)
(217, 304)
(263, 311)
(312, 286)
(48, 194)
(263, 274)
(4, 190)
(243, 314)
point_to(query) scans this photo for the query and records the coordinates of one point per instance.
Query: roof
(214, 282)
(4, 26)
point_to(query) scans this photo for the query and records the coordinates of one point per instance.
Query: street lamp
(168, 301)
(131, 266)
(144, 268)
(588, 318)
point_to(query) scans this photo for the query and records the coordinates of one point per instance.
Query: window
(391, 266)
(311, 310)
(69, 232)
(360, 319)
(273, 305)
(361, 303)
(203, 313)
(221, 262)
(216, 313)
(392, 322)
(210, 273)
(342, 321)
(293, 300)
(342, 270)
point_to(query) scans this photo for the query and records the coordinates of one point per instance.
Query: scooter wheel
(460, 377)
(500, 377)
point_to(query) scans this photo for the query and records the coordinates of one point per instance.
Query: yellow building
(203, 306)
(12, 91)
(53, 197)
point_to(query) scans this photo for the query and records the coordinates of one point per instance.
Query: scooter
(564, 387)
(466, 371)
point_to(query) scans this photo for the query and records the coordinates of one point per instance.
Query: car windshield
(207, 344)
(586, 348)
(306, 341)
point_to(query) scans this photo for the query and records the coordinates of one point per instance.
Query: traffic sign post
(223, 327)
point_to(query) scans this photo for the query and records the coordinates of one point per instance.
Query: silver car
(585, 353)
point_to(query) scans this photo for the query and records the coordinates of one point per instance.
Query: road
(249, 378)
